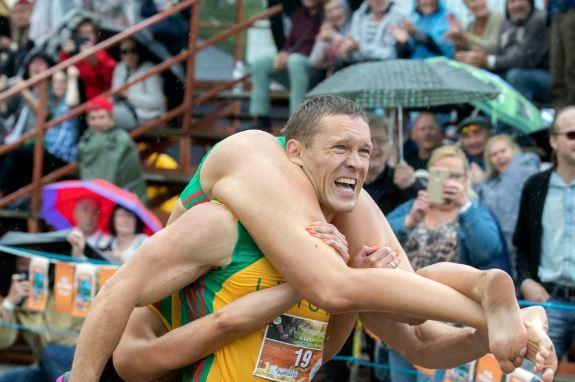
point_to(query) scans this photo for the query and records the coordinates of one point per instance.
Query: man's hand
(400, 34)
(78, 242)
(454, 193)
(534, 291)
(409, 27)
(375, 257)
(472, 57)
(280, 61)
(347, 46)
(331, 236)
(456, 32)
(326, 32)
(69, 46)
(404, 176)
(476, 173)
(72, 72)
(418, 211)
(19, 290)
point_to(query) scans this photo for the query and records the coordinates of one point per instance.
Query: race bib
(291, 350)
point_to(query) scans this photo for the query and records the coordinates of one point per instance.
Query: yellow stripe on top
(237, 360)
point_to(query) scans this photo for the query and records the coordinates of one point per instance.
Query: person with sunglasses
(144, 100)
(545, 232)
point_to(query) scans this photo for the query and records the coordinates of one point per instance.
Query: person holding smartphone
(443, 224)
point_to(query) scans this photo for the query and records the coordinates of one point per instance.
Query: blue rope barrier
(68, 333)
(51, 256)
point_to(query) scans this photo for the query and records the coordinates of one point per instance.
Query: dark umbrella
(413, 84)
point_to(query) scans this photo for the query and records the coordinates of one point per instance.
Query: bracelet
(464, 209)
(8, 305)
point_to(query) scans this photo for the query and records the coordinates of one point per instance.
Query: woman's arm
(145, 352)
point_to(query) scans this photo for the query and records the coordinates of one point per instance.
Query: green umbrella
(509, 107)
(406, 84)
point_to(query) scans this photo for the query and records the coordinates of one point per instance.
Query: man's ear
(294, 150)
(553, 141)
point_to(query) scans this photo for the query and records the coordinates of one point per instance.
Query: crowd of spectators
(499, 205)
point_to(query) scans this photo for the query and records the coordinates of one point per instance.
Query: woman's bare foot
(540, 349)
(506, 330)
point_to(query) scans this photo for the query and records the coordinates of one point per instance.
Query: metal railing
(184, 110)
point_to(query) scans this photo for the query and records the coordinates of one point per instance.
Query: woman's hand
(454, 193)
(418, 211)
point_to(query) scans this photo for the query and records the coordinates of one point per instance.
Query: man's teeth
(349, 181)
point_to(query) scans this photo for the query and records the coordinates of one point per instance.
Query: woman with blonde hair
(507, 170)
(457, 229)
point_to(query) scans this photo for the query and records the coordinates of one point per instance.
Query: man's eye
(339, 147)
(365, 151)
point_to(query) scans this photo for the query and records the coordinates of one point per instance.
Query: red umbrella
(59, 201)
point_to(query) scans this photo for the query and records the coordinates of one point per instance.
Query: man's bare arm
(168, 261)
(277, 207)
(431, 344)
(141, 357)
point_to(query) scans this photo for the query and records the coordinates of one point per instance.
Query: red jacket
(96, 78)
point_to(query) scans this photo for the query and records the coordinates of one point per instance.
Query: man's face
(378, 6)
(564, 146)
(379, 153)
(100, 120)
(334, 13)
(86, 214)
(473, 142)
(337, 160)
(426, 132)
(311, 4)
(478, 8)
(518, 9)
(21, 15)
(427, 7)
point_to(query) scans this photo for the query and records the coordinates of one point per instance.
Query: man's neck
(566, 172)
(424, 153)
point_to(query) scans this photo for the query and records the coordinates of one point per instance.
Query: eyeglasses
(128, 51)
(569, 134)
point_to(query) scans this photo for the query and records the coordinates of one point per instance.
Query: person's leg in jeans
(56, 360)
(533, 84)
(568, 39)
(262, 69)
(559, 329)
(30, 373)
(381, 357)
(298, 69)
(557, 59)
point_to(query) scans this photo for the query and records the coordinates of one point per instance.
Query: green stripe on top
(193, 193)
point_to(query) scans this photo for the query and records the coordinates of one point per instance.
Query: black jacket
(386, 194)
(529, 228)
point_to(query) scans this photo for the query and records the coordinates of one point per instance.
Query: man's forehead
(342, 123)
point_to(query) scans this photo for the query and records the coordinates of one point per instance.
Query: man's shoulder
(538, 181)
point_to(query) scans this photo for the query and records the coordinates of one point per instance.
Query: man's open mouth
(345, 184)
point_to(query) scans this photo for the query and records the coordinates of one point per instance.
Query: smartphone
(435, 185)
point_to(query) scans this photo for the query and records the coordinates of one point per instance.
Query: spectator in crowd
(458, 230)
(60, 142)
(332, 34)
(95, 71)
(426, 34)
(53, 349)
(277, 21)
(522, 54)
(388, 186)
(427, 135)
(474, 133)
(20, 41)
(19, 111)
(370, 39)
(86, 229)
(109, 153)
(507, 170)
(291, 66)
(562, 49)
(127, 235)
(171, 32)
(481, 33)
(544, 234)
(144, 100)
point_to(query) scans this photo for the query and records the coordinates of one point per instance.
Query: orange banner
(487, 369)
(84, 289)
(38, 278)
(63, 286)
(105, 274)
